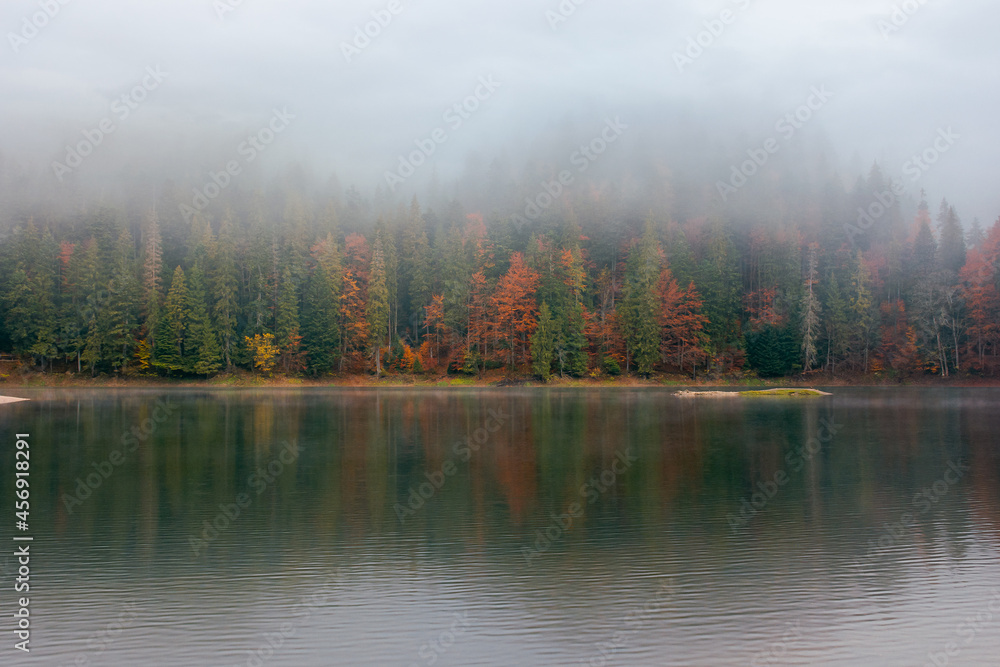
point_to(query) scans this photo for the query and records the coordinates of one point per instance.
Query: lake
(508, 527)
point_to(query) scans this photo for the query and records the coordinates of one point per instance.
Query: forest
(302, 283)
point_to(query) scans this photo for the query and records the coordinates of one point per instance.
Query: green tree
(173, 337)
(638, 308)
(224, 287)
(810, 310)
(377, 311)
(543, 343)
(124, 305)
(952, 249)
(286, 324)
(203, 354)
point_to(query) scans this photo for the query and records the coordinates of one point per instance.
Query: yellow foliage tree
(264, 351)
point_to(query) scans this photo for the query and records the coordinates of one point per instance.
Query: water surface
(509, 527)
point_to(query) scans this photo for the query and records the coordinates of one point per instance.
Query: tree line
(310, 287)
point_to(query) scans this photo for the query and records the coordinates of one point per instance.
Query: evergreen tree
(377, 311)
(952, 248)
(639, 303)
(810, 311)
(862, 312)
(224, 286)
(286, 325)
(173, 335)
(320, 332)
(836, 326)
(975, 236)
(124, 304)
(152, 268)
(543, 343)
(718, 284)
(203, 355)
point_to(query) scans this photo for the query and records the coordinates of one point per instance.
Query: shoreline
(39, 381)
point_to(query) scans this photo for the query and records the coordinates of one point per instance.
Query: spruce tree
(639, 305)
(203, 354)
(173, 336)
(223, 282)
(543, 343)
(124, 304)
(377, 310)
(810, 311)
(286, 321)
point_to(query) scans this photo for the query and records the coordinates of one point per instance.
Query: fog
(696, 84)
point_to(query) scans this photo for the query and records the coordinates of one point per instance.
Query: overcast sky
(227, 71)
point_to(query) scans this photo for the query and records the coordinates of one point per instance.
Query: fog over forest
(745, 144)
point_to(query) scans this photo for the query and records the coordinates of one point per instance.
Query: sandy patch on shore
(708, 394)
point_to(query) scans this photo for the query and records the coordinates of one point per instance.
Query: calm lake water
(508, 527)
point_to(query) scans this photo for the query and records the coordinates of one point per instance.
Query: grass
(785, 393)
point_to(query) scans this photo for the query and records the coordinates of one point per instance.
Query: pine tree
(638, 309)
(286, 322)
(223, 282)
(152, 266)
(543, 343)
(320, 331)
(861, 310)
(718, 283)
(173, 336)
(203, 354)
(377, 311)
(810, 310)
(29, 298)
(124, 304)
(836, 325)
(975, 236)
(952, 248)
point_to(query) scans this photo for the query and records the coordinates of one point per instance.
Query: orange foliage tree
(979, 288)
(433, 326)
(681, 321)
(516, 310)
(898, 350)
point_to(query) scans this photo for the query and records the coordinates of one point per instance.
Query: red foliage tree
(681, 320)
(516, 310)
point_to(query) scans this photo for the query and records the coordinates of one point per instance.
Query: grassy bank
(491, 379)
